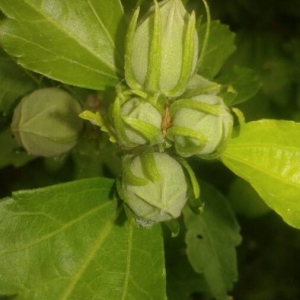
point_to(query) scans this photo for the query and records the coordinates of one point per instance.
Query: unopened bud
(162, 49)
(136, 122)
(154, 187)
(200, 125)
(46, 122)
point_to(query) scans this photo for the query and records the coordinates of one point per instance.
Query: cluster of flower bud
(163, 103)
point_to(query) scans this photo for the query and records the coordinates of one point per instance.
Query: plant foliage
(67, 228)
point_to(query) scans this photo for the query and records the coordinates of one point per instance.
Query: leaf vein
(254, 166)
(52, 234)
(71, 36)
(127, 271)
(99, 242)
(59, 56)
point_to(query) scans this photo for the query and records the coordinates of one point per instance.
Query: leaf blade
(238, 85)
(74, 44)
(267, 155)
(14, 82)
(220, 46)
(211, 240)
(71, 241)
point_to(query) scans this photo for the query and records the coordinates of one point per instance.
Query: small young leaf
(78, 44)
(267, 155)
(211, 240)
(71, 241)
(238, 85)
(220, 46)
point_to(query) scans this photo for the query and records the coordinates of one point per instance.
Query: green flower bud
(46, 122)
(154, 187)
(136, 122)
(162, 50)
(200, 126)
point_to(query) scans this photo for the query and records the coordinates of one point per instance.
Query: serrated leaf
(255, 48)
(10, 153)
(72, 241)
(77, 43)
(182, 280)
(267, 155)
(220, 46)
(278, 80)
(238, 85)
(261, 50)
(14, 82)
(211, 240)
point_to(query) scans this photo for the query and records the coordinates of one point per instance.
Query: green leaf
(238, 85)
(245, 201)
(79, 44)
(261, 50)
(211, 240)
(256, 48)
(182, 280)
(131, 5)
(10, 153)
(220, 46)
(72, 241)
(267, 155)
(14, 82)
(278, 80)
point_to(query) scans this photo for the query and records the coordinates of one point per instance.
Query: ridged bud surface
(154, 187)
(46, 122)
(136, 122)
(162, 49)
(200, 126)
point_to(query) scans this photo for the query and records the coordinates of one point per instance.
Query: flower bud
(154, 187)
(136, 122)
(162, 50)
(200, 126)
(46, 122)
